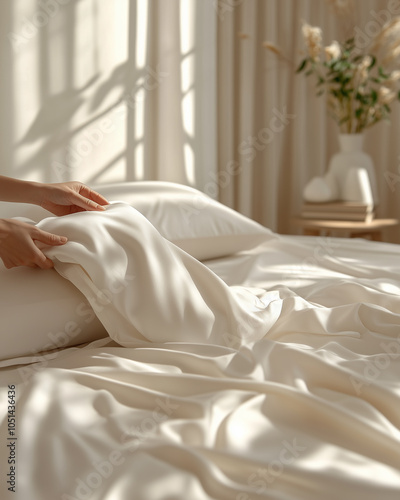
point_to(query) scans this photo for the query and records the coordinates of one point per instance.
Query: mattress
(296, 397)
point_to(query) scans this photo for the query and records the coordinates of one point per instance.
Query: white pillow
(201, 226)
(10, 210)
(42, 311)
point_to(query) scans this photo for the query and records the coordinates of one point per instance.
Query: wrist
(2, 227)
(20, 191)
(35, 193)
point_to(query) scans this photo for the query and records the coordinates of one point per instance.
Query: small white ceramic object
(317, 191)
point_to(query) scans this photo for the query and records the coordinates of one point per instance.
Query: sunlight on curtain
(141, 32)
(187, 28)
(67, 67)
(110, 91)
(86, 65)
(99, 50)
(140, 60)
(27, 100)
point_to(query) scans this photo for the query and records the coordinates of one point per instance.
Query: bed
(179, 350)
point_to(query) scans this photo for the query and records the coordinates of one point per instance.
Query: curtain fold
(169, 133)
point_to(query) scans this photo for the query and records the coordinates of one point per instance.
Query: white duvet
(270, 374)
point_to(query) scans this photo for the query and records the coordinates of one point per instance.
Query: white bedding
(282, 385)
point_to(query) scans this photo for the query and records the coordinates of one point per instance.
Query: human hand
(69, 197)
(21, 243)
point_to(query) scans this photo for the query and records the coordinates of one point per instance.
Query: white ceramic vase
(347, 172)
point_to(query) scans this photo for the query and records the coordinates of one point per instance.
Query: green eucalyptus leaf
(335, 93)
(382, 74)
(372, 62)
(346, 80)
(345, 93)
(302, 65)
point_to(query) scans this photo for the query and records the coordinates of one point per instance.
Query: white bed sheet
(311, 411)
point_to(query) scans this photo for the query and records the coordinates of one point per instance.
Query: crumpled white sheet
(305, 410)
(144, 288)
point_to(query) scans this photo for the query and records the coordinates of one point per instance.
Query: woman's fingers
(70, 197)
(85, 203)
(84, 197)
(48, 239)
(42, 240)
(97, 199)
(40, 260)
(22, 244)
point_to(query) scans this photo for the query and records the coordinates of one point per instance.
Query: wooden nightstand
(345, 228)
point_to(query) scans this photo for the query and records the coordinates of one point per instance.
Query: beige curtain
(274, 133)
(181, 90)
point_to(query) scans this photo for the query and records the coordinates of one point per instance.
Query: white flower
(366, 62)
(386, 96)
(361, 73)
(394, 75)
(313, 39)
(333, 51)
(394, 80)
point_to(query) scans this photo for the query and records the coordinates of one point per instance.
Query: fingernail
(63, 239)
